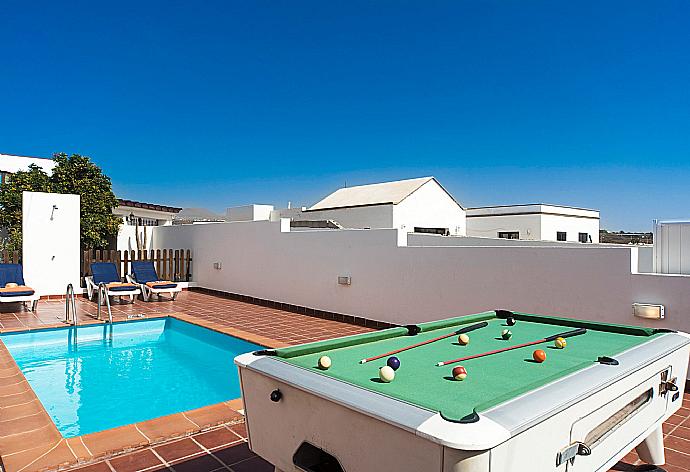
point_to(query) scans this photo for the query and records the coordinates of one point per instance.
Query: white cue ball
(324, 362)
(464, 339)
(386, 374)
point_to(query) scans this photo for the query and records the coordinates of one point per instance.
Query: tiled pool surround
(29, 440)
(98, 377)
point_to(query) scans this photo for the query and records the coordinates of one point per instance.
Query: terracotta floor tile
(678, 431)
(39, 458)
(212, 415)
(236, 404)
(178, 449)
(204, 463)
(136, 461)
(26, 423)
(113, 440)
(166, 427)
(24, 440)
(79, 449)
(255, 464)
(677, 458)
(217, 438)
(676, 419)
(21, 410)
(234, 454)
(98, 467)
(239, 429)
(678, 444)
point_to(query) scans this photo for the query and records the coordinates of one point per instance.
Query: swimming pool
(126, 373)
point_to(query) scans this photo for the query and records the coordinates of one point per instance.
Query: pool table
(583, 408)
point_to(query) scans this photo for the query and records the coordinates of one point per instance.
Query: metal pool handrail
(103, 292)
(70, 302)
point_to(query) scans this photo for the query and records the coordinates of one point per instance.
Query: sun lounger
(145, 276)
(106, 273)
(17, 291)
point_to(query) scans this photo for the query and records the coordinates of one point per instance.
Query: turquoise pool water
(149, 368)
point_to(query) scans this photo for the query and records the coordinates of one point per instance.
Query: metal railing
(103, 292)
(70, 306)
(71, 309)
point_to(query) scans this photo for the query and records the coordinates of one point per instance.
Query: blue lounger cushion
(144, 272)
(16, 293)
(104, 272)
(121, 287)
(162, 285)
(11, 273)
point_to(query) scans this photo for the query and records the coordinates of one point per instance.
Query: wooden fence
(171, 264)
(10, 257)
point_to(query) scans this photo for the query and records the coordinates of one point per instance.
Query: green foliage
(73, 174)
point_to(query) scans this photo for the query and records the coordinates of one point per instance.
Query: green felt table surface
(491, 380)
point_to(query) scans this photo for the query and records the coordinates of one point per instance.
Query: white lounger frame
(148, 292)
(22, 299)
(92, 290)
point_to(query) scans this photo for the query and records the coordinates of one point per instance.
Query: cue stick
(567, 334)
(466, 329)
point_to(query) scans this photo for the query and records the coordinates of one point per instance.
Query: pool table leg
(651, 450)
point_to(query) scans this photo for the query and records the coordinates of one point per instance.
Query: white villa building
(534, 222)
(419, 205)
(139, 215)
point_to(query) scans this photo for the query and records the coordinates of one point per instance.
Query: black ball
(510, 321)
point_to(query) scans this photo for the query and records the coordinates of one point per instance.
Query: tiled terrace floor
(282, 326)
(225, 447)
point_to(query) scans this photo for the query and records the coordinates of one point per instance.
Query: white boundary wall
(395, 283)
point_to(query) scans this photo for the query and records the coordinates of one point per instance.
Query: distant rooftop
(193, 215)
(371, 194)
(12, 163)
(148, 206)
(531, 209)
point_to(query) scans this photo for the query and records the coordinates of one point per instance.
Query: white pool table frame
(525, 430)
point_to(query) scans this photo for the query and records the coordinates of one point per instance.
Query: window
(4, 177)
(441, 231)
(509, 234)
(561, 236)
(584, 238)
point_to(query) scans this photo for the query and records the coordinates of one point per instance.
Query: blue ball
(393, 363)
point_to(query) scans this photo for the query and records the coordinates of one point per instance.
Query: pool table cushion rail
(450, 323)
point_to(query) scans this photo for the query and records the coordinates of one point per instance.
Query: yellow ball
(464, 339)
(324, 362)
(560, 343)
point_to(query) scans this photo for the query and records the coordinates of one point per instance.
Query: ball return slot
(312, 459)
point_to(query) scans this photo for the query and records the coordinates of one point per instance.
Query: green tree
(73, 174)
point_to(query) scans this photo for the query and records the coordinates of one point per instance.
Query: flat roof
(532, 209)
(147, 206)
(531, 204)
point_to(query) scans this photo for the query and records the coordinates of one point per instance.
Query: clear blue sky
(223, 103)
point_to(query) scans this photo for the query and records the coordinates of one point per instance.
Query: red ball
(459, 373)
(539, 356)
